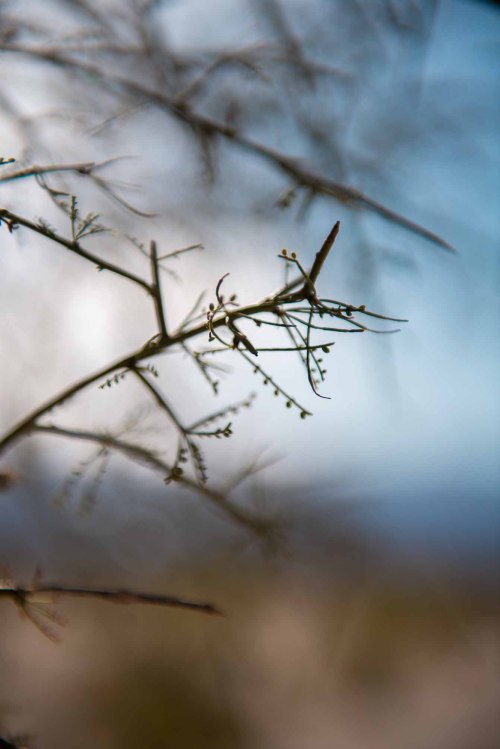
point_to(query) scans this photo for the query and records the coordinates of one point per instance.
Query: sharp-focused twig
(12, 220)
(157, 295)
(270, 304)
(323, 253)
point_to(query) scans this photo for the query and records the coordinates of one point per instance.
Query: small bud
(289, 404)
(326, 350)
(284, 252)
(294, 256)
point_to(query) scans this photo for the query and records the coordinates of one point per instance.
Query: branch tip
(323, 252)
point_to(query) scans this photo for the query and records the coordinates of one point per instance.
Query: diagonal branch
(323, 253)
(149, 458)
(156, 292)
(129, 362)
(12, 220)
(160, 400)
(222, 317)
(207, 126)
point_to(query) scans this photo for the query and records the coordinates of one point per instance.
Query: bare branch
(25, 598)
(224, 315)
(207, 126)
(12, 220)
(323, 253)
(149, 458)
(85, 168)
(157, 295)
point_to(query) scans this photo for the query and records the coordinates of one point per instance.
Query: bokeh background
(374, 622)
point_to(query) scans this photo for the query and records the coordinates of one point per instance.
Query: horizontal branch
(36, 171)
(277, 349)
(22, 596)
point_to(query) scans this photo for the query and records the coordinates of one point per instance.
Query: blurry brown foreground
(332, 643)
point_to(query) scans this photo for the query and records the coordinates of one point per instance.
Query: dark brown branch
(22, 595)
(160, 400)
(157, 295)
(12, 220)
(35, 171)
(323, 253)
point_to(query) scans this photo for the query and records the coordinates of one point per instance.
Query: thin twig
(12, 220)
(321, 256)
(33, 171)
(149, 458)
(157, 295)
(22, 595)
